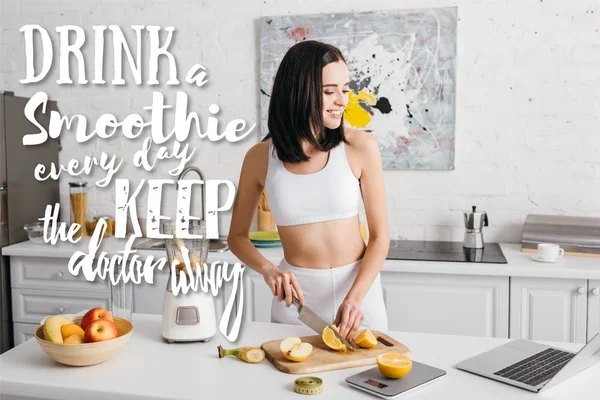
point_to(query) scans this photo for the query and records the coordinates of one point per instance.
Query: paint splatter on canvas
(402, 66)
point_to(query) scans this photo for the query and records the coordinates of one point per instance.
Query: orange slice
(331, 340)
(394, 365)
(71, 329)
(366, 339)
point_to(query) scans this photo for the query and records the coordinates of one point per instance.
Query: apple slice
(74, 339)
(293, 349)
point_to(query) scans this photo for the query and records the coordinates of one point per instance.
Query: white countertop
(518, 263)
(149, 368)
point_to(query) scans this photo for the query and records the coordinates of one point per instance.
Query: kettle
(474, 223)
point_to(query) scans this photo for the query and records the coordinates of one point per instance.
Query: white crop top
(329, 194)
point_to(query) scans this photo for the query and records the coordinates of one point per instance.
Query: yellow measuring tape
(308, 385)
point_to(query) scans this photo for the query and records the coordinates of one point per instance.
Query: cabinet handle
(581, 290)
(595, 291)
(61, 309)
(59, 274)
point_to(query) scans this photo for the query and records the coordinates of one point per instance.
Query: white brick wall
(528, 101)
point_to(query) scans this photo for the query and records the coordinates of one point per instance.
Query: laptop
(530, 365)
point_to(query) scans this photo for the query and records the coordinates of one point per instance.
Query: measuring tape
(308, 385)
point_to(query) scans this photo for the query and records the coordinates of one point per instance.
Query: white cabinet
(449, 304)
(43, 286)
(23, 332)
(593, 326)
(148, 298)
(32, 305)
(257, 297)
(549, 309)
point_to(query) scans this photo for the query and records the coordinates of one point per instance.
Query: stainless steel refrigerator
(23, 199)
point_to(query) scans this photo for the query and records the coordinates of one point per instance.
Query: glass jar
(121, 297)
(78, 195)
(110, 224)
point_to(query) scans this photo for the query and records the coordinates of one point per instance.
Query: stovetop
(421, 250)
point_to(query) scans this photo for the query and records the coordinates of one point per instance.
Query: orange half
(331, 340)
(394, 365)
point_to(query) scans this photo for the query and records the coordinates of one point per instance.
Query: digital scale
(373, 382)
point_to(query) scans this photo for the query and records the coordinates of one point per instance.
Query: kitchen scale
(373, 382)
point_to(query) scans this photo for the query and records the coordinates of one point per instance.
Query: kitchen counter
(518, 263)
(149, 368)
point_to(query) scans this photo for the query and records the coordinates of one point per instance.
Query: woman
(314, 171)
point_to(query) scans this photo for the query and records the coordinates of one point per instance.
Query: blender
(190, 316)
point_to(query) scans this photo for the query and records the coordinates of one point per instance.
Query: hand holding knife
(316, 323)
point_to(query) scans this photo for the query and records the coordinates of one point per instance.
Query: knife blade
(316, 323)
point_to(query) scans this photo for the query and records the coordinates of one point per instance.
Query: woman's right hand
(283, 284)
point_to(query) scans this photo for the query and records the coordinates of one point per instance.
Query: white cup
(549, 251)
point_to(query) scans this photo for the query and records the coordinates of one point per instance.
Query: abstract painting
(402, 66)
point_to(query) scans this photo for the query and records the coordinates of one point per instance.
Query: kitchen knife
(316, 323)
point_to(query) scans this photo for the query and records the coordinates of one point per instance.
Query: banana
(249, 354)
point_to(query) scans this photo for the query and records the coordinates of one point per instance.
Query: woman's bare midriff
(322, 245)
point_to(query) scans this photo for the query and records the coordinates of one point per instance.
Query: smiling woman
(314, 171)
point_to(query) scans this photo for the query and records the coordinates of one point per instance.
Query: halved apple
(293, 349)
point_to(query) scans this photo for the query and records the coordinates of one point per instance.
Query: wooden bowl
(85, 354)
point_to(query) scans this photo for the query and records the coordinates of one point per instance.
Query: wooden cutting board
(323, 358)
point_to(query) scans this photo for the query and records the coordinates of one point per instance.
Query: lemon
(331, 340)
(394, 365)
(366, 339)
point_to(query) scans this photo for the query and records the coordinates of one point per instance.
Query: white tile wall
(528, 101)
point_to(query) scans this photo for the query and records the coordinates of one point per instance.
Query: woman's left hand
(349, 318)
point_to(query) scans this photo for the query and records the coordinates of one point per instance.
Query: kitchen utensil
(85, 354)
(35, 232)
(373, 382)
(323, 358)
(264, 236)
(549, 251)
(578, 236)
(266, 244)
(474, 223)
(188, 317)
(316, 323)
(558, 259)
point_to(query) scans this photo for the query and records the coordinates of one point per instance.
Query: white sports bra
(329, 194)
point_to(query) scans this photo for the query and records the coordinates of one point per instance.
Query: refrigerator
(23, 199)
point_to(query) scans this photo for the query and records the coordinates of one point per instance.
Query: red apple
(100, 330)
(93, 315)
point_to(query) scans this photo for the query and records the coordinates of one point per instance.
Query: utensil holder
(266, 222)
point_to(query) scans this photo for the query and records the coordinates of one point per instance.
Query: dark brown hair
(296, 104)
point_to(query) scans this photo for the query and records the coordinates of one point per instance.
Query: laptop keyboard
(537, 368)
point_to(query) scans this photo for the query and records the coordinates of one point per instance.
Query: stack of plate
(265, 239)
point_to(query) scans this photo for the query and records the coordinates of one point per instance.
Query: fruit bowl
(85, 354)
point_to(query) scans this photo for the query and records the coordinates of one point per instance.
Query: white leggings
(325, 289)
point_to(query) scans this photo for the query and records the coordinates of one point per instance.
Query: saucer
(557, 259)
